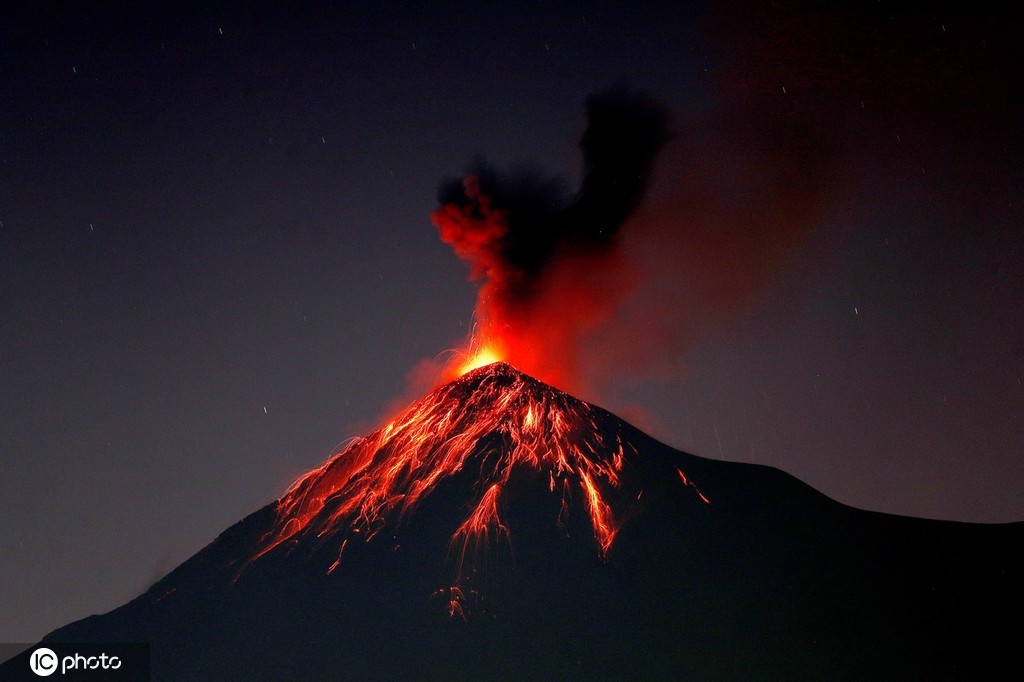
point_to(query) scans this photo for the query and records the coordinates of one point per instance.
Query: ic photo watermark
(61, 661)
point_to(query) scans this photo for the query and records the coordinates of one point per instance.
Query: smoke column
(548, 258)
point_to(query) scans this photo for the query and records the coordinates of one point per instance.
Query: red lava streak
(492, 420)
(386, 474)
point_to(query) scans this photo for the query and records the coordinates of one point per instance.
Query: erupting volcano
(490, 422)
(500, 528)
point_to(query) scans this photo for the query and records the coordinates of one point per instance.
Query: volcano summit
(501, 529)
(492, 423)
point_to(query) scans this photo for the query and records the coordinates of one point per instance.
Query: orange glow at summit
(480, 358)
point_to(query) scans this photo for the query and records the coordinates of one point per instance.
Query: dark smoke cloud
(580, 289)
(589, 288)
(512, 224)
(806, 110)
(547, 257)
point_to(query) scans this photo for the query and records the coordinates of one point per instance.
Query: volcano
(501, 529)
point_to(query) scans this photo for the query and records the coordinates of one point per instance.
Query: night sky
(217, 260)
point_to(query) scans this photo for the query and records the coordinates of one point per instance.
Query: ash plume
(518, 220)
(546, 255)
(668, 236)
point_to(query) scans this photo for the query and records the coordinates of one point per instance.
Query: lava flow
(488, 422)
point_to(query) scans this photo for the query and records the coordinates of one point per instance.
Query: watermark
(43, 662)
(61, 661)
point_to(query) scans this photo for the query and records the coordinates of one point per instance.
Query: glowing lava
(494, 411)
(489, 423)
(482, 357)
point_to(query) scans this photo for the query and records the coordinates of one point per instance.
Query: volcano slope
(501, 529)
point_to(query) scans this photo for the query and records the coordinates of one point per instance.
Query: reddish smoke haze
(549, 261)
(598, 286)
(618, 281)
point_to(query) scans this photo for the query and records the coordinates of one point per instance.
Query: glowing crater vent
(489, 422)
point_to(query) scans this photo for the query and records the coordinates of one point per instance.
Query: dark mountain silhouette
(374, 567)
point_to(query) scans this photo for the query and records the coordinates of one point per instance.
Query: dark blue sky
(216, 259)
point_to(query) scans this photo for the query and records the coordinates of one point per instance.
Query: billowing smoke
(666, 238)
(804, 115)
(547, 256)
